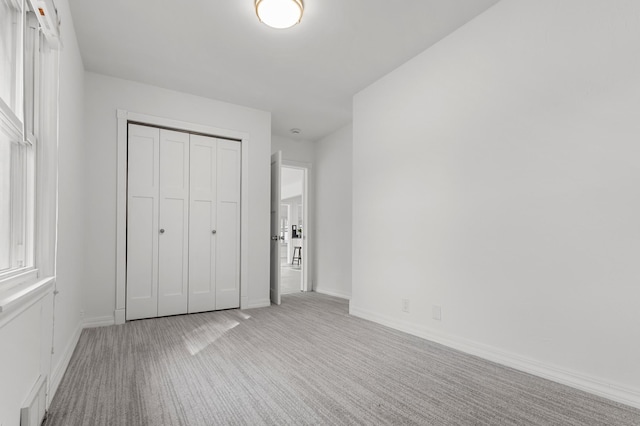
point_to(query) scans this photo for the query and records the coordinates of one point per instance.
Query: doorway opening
(292, 230)
(289, 218)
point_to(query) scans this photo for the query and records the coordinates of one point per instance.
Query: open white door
(276, 163)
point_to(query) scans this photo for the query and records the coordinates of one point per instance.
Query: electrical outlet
(405, 305)
(81, 314)
(436, 313)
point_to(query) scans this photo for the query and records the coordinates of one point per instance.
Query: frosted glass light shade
(279, 13)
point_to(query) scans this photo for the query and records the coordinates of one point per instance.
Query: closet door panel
(141, 272)
(227, 259)
(173, 247)
(228, 205)
(142, 222)
(202, 224)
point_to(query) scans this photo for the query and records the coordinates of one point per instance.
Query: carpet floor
(306, 362)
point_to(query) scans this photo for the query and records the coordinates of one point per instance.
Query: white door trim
(307, 233)
(123, 118)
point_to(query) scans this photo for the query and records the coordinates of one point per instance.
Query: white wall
(25, 339)
(333, 214)
(513, 146)
(293, 150)
(70, 278)
(103, 96)
(26, 334)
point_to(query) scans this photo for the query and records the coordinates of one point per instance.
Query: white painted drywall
(71, 255)
(511, 148)
(103, 95)
(333, 213)
(293, 150)
(26, 338)
(23, 340)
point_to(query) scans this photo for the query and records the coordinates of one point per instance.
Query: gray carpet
(304, 362)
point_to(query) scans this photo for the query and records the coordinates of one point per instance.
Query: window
(16, 205)
(11, 48)
(19, 105)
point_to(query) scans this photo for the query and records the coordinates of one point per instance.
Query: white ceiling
(306, 75)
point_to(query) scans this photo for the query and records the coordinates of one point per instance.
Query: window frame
(27, 177)
(15, 102)
(24, 132)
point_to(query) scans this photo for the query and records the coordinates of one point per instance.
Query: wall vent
(35, 406)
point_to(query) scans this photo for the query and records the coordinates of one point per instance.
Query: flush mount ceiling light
(279, 13)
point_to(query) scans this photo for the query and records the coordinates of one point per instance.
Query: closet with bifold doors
(183, 223)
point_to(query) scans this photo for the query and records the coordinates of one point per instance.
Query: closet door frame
(125, 117)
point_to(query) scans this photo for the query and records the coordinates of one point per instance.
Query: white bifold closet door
(214, 234)
(228, 234)
(143, 195)
(183, 223)
(173, 242)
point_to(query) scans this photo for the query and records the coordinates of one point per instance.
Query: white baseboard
(98, 322)
(332, 293)
(58, 371)
(567, 377)
(259, 304)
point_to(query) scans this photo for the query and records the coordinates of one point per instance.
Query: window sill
(22, 295)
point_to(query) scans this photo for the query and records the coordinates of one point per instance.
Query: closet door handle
(214, 231)
(162, 231)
